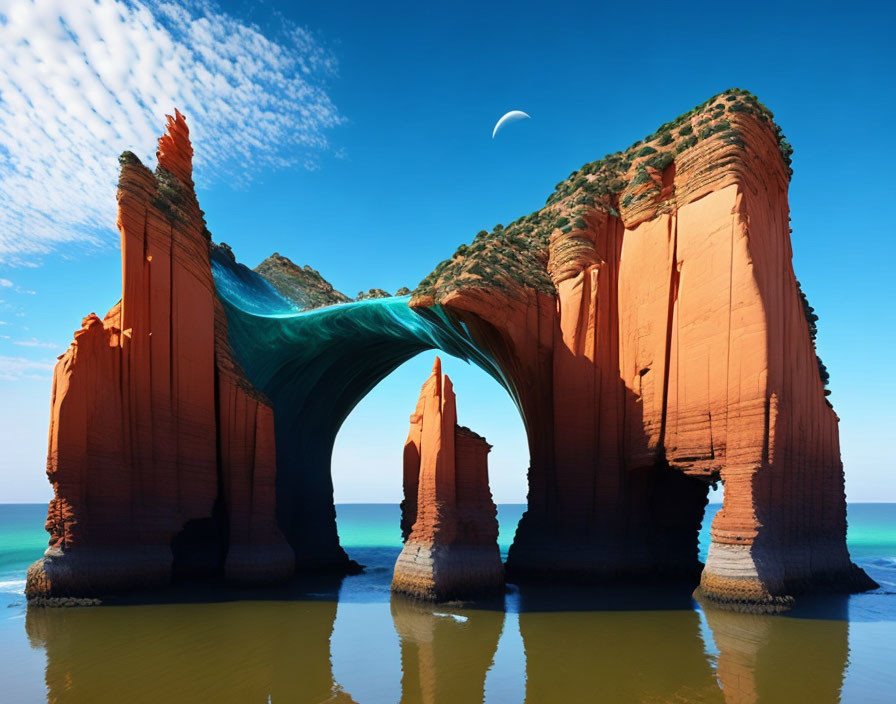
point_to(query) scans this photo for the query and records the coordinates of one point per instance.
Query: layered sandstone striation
(449, 520)
(654, 336)
(161, 453)
(646, 322)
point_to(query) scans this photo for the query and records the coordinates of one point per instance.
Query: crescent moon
(509, 117)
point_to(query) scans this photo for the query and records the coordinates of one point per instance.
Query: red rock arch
(671, 350)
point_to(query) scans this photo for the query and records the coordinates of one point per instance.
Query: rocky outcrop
(371, 294)
(304, 286)
(161, 453)
(667, 346)
(646, 322)
(449, 520)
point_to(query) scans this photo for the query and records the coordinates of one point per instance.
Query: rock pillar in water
(161, 452)
(658, 341)
(448, 516)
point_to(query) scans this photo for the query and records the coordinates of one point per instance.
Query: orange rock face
(448, 516)
(647, 323)
(675, 353)
(160, 452)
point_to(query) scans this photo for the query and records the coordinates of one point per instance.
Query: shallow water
(331, 640)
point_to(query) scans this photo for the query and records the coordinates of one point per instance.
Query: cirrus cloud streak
(83, 80)
(18, 368)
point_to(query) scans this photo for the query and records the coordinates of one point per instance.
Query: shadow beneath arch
(619, 596)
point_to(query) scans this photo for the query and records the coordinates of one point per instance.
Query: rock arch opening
(314, 367)
(367, 458)
(647, 325)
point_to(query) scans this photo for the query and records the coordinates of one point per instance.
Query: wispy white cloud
(18, 368)
(83, 80)
(34, 342)
(6, 283)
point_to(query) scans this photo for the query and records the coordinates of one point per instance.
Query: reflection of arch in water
(777, 658)
(217, 652)
(445, 652)
(648, 647)
(616, 656)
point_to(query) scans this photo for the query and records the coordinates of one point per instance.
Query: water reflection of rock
(616, 656)
(280, 649)
(445, 651)
(243, 652)
(779, 659)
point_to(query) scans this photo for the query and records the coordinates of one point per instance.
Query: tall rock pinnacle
(175, 152)
(448, 515)
(154, 429)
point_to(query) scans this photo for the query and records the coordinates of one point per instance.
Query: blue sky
(356, 137)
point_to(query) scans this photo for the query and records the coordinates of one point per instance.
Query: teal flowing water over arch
(315, 366)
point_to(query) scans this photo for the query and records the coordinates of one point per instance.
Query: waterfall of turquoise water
(315, 366)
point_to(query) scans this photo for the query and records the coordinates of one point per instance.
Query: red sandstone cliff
(448, 517)
(647, 322)
(160, 452)
(675, 349)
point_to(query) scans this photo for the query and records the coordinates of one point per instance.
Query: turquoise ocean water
(347, 640)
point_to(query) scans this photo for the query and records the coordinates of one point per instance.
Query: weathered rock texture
(650, 325)
(646, 322)
(449, 520)
(303, 286)
(161, 453)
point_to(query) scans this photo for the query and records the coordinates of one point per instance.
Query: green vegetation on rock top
(517, 255)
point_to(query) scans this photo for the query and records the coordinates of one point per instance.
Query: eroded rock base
(448, 572)
(752, 579)
(86, 574)
(452, 549)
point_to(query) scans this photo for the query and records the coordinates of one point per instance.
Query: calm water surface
(348, 641)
